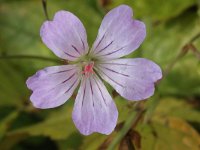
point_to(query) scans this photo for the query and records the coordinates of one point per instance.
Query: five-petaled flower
(94, 109)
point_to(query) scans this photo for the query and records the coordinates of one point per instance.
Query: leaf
(124, 107)
(170, 133)
(131, 141)
(56, 126)
(180, 108)
(12, 87)
(164, 43)
(74, 141)
(96, 141)
(5, 123)
(6, 143)
(157, 10)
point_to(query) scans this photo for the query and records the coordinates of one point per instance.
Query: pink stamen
(88, 69)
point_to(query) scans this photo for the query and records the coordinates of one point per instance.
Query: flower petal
(132, 78)
(94, 109)
(53, 86)
(119, 34)
(65, 36)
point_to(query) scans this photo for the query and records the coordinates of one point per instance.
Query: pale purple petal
(94, 109)
(65, 36)
(119, 34)
(133, 79)
(53, 86)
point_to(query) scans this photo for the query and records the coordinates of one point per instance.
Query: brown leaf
(105, 3)
(106, 143)
(136, 138)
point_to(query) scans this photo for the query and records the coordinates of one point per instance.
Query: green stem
(194, 38)
(30, 57)
(44, 5)
(171, 65)
(130, 122)
(134, 117)
(182, 53)
(194, 51)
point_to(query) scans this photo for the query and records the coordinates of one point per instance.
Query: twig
(194, 38)
(44, 5)
(178, 57)
(129, 143)
(30, 57)
(183, 52)
(132, 121)
(194, 50)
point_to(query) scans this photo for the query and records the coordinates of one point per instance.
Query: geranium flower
(94, 109)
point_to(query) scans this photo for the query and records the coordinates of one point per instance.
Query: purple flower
(94, 109)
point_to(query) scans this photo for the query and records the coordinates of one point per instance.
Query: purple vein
(62, 82)
(71, 86)
(76, 49)
(63, 71)
(100, 41)
(91, 87)
(112, 79)
(117, 64)
(100, 91)
(112, 52)
(105, 47)
(92, 92)
(115, 71)
(70, 55)
(83, 44)
(84, 94)
(69, 78)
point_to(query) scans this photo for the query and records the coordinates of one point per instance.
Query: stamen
(88, 69)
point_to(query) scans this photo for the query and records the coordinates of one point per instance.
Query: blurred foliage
(171, 121)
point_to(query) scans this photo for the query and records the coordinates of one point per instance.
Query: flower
(94, 109)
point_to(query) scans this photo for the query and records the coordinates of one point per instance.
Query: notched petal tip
(65, 35)
(125, 7)
(45, 24)
(53, 86)
(133, 79)
(94, 110)
(119, 34)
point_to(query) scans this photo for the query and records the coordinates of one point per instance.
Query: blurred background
(170, 120)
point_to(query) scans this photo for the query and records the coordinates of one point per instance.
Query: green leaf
(169, 134)
(12, 87)
(5, 123)
(164, 43)
(58, 125)
(180, 108)
(74, 141)
(93, 141)
(157, 10)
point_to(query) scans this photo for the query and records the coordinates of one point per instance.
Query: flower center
(88, 69)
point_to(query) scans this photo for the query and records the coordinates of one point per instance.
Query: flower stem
(134, 117)
(30, 57)
(132, 121)
(194, 38)
(44, 5)
(183, 52)
(195, 51)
